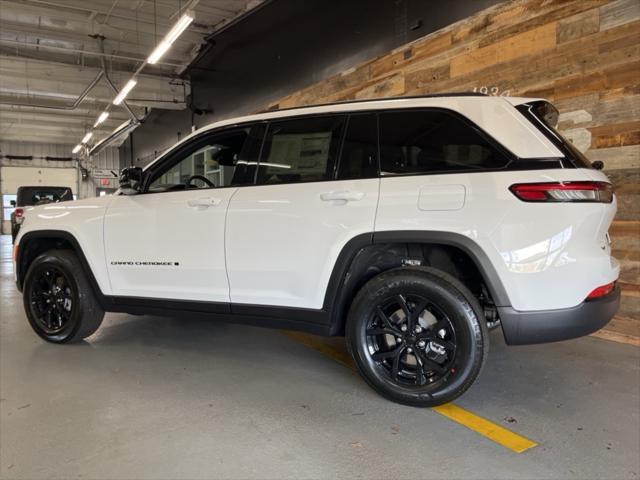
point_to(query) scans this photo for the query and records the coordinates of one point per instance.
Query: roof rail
(342, 102)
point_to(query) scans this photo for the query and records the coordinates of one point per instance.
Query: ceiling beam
(29, 81)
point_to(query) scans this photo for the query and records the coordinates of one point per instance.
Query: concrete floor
(169, 398)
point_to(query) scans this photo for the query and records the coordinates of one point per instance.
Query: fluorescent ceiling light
(86, 138)
(103, 116)
(124, 92)
(171, 37)
(77, 148)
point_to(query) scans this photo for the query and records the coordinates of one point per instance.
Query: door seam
(224, 246)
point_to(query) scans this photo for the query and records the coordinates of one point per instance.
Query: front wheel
(417, 336)
(59, 301)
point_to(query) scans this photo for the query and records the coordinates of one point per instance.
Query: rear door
(316, 188)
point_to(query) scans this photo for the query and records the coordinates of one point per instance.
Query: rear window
(544, 117)
(28, 196)
(434, 141)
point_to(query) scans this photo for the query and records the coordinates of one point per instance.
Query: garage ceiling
(51, 51)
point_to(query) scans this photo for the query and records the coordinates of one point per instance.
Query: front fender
(79, 223)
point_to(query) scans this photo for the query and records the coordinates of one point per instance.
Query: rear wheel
(59, 300)
(417, 336)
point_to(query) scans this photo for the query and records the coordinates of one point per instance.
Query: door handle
(204, 202)
(344, 195)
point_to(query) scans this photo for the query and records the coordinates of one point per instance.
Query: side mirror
(12, 203)
(131, 180)
(598, 164)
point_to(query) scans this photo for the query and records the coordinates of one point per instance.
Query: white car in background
(411, 225)
(29, 196)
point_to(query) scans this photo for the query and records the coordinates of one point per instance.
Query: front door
(168, 242)
(316, 188)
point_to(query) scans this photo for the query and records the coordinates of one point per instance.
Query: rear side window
(434, 141)
(301, 149)
(359, 158)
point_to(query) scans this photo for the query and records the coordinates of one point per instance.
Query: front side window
(210, 162)
(434, 141)
(300, 150)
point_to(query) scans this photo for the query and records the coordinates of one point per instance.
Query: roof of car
(433, 100)
(367, 104)
(44, 187)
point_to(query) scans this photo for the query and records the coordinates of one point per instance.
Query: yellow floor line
(340, 356)
(484, 427)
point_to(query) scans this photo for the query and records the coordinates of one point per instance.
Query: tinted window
(359, 158)
(300, 150)
(220, 158)
(38, 195)
(425, 141)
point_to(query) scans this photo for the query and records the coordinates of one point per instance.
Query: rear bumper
(522, 328)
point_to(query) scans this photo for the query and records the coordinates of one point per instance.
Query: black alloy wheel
(51, 299)
(417, 335)
(59, 300)
(411, 341)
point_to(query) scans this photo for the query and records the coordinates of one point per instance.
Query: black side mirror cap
(131, 180)
(598, 165)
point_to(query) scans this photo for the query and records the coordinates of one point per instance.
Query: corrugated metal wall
(36, 156)
(107, 159)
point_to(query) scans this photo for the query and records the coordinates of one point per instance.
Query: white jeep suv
(410, 225)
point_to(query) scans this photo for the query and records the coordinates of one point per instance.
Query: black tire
(60, 303)
(439, 354)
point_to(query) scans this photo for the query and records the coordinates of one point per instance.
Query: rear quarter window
(434, 141)
(544, 117)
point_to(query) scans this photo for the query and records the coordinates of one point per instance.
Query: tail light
(601, 291)
(598, 192)
(19, 213)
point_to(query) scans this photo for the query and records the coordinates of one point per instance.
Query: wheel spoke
(446, 345)
(374, 332)
(415, 314)
(403, 304)
(387, 322)
(49, 317)
(379, 356)
(395, 368)
(435, 366)
(420, 380)
(49, 278)
(43, 284)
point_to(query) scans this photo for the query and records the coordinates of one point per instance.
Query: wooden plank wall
(584, 55)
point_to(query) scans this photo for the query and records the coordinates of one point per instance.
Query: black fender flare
(21, 267)
(334, 301)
